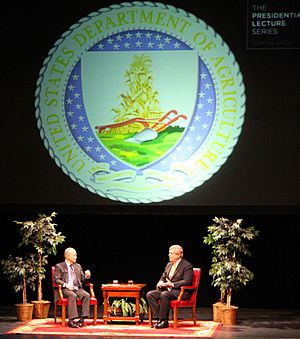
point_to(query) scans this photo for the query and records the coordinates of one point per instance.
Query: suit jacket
(183, 275)
(61, 274)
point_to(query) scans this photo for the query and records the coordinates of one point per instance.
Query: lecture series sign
(140, 102)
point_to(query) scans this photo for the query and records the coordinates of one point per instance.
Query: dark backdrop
(259, 182)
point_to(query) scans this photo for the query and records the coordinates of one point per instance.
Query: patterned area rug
(203, 329)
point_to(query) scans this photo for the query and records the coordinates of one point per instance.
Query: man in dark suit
(70, 275)
(178, 272)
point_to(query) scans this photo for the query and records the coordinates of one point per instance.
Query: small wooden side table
(122, 291)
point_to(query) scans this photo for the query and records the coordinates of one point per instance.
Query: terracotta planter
(229, 315)
(41, 309)
(24, 311)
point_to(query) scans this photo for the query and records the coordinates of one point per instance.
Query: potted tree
(21, 272)
(229, 242)
(41, 236)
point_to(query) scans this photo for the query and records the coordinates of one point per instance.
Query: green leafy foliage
(21, 272)
(127, 306)
(42, 238)
(230, 244)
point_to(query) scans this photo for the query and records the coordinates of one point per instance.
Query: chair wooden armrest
(183, 289)
(60, 292)
(91, 286)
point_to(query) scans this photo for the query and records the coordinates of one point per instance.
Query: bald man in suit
(70, 275)
(178, 272)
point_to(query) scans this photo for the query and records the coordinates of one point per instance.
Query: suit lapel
(177, 269)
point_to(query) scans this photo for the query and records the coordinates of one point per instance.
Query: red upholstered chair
(179, 303)
(63, 302)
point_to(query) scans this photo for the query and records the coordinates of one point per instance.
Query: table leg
(137, 311)
(105, 307)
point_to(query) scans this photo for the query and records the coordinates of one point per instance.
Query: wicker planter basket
(217, 311)
(24, 312)
(41, 309)
(229, 315)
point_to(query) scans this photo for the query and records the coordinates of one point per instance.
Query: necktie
(172, 271)
(73, 276)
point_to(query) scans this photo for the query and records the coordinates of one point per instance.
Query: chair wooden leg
(194, 315)
(54, 312)
(95, 314)
(175, 317)
(63, 315)
(150, 316)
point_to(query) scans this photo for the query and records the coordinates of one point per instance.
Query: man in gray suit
(178, 272)
(70, 275)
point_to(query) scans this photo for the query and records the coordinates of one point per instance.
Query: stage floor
(251, 323)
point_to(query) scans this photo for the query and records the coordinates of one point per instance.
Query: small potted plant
(126, 307)
(229, 242)
(21, 273)
(42, 238)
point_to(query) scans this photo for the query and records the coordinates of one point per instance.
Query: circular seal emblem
(140, 102)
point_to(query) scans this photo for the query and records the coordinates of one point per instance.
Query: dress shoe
(80, 322)
(162, 324)
(154, 322)
(72, 324)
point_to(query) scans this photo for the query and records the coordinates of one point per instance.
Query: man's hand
(161, 284)
(169, 283)
(87, 274)
(69, 287)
